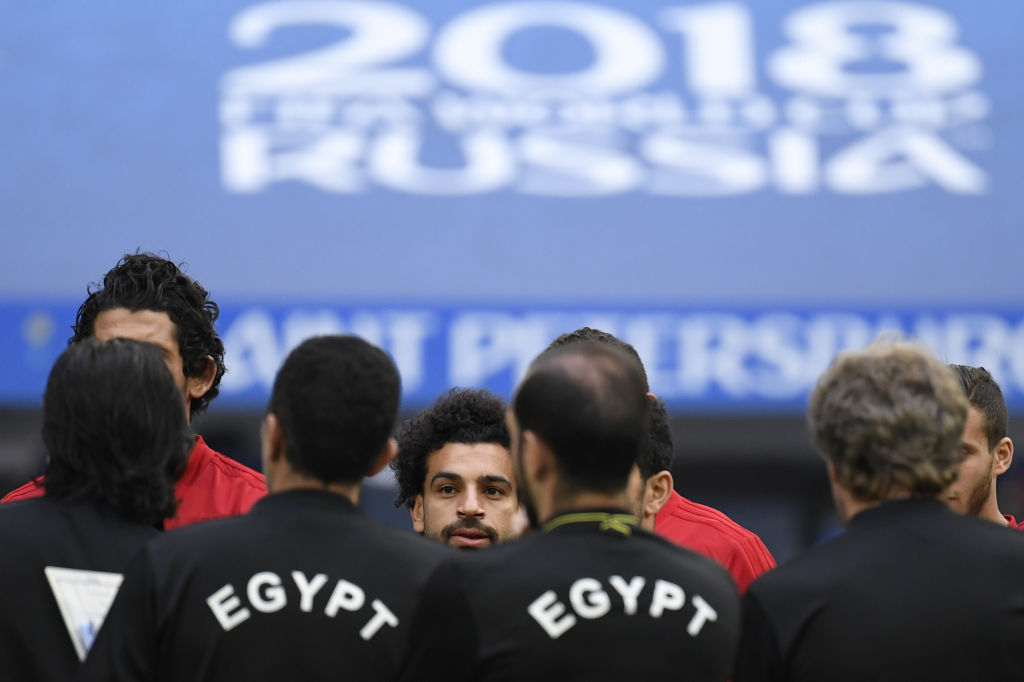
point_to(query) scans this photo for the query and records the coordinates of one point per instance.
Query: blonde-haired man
(911, 591)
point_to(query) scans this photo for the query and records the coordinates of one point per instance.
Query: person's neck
(570, 502)
(990, 511)
(291, 480)
(849, 505)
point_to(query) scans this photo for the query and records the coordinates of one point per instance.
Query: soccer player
(987, 450)
(689, 524)
(695, 526)
(147, 298)
(303, 587)
(911, 591)
(589, 595)
(454, 471)
(116, 433)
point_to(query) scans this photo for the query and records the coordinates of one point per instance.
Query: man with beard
(589, 595)
(987, 450)
(454, 471)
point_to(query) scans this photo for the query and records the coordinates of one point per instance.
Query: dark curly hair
(145, 281)
(115, 430)
(336, 398)
(461, 416)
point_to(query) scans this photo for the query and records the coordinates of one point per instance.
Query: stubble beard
(980, 494)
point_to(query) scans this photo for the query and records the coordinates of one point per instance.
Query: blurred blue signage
(697, 360)
(586, 99)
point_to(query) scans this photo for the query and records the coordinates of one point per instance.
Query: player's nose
(470, 504)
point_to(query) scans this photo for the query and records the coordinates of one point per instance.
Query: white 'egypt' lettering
(266, 594)
(667, 596)
(630, 592)
(222, 603)
(273, 599)
(598, 604)
(308, 588)
(346, 595)
(382, 616)
(705, 613)
(546, 610)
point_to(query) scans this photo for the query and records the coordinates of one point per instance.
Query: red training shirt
(211, 487)
(709, 532)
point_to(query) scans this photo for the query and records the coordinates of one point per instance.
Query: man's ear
(416, 512)
(656, 493)
(1002, 456)
(273, 439)
(196, 387)
(387, 454)
(538, 460)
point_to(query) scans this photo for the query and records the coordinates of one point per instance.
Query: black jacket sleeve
(758, 658)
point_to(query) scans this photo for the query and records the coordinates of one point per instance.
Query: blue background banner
(698, 359)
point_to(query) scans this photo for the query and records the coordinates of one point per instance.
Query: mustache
(469, 524)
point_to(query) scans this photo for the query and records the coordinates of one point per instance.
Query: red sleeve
(33, 488)
(750, 560)
(710, 532)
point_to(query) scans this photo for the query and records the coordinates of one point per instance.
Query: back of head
(336, 398)
(588, 402)
(888, 418)
(591, 335)
(984, 393)
(656, 456)
(462, 416)
(115, 429)
(144, 281)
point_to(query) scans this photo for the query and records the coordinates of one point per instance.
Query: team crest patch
(83, 597)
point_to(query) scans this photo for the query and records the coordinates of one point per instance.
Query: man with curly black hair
(587, 595)
(148, 298)
(455, 473)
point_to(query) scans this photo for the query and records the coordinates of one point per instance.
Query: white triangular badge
(84, 597)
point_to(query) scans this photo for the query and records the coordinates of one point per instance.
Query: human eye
(495, 491)
(446, 489)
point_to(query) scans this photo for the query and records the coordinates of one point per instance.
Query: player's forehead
(469, 462)
(976, 430)
(149, 326)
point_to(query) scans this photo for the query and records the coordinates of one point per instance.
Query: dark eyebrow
(495, 478)
(446, 475)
